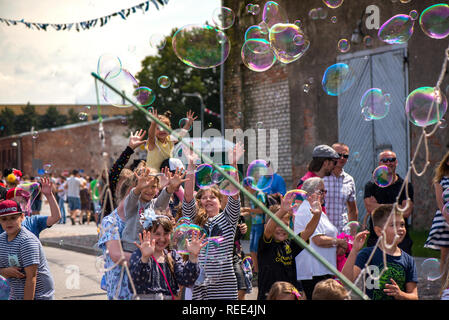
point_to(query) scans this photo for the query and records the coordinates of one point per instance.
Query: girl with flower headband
(158, 272)
(281, 290)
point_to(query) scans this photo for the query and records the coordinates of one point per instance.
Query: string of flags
(86, 25)
(209, 111)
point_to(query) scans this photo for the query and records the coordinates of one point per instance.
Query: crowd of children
(149, 199)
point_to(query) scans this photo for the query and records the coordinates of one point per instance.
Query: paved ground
(83, 239)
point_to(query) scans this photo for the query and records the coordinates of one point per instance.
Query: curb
(77, 248)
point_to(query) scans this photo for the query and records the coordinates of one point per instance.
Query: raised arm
(189, 186)
(152, 131)
(55, 212)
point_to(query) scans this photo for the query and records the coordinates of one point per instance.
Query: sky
(54, 67)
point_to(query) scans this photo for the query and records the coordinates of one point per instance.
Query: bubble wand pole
(300, 241)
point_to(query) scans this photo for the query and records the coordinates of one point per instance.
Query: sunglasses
(346, 156)
(385, 160)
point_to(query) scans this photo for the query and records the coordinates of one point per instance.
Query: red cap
(9, 207)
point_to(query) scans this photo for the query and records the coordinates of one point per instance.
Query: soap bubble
(181, 233)
(144, 96)
(5, 289)
(334, 19)
(352, 228)
(34, 134)
(255, 32)
(343, 45)
(200, 46)
(108, 64)
(223, 18)
(254, 9)
(224, 185)
(282, 39)
(397, 29)
(203, 176)
(333, 4)
(382, 176)
(306, 87)
(259, 125)
(164, 82)
(298, 196)
(123, 82)
(414, 14)
(48, 168)
(431, 269)
(273, 14)
(422, 106)
(356, 156)
(434, 21)
(322, 13)
(158, 41)
(257, 55)
(376, 103)
(337, 79)
(368, 41)
(25, 194)
(260, 174)
(82, 116)
(313, 14)
(183, 122)
(443, 123)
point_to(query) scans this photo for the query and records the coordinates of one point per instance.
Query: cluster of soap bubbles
(183, 232)
(259, 176)
(253, 9)
(434, 22)
(110, 68)
(273, 39)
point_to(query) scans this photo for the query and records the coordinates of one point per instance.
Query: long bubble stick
(300, 241)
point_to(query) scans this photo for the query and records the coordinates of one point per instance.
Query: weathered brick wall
(312, 116)
(71, 147)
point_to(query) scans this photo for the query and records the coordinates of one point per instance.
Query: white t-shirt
(307, 266)
(73, 187)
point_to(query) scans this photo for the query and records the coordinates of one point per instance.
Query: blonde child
(330, 289)
(160, 143)
(281, 290)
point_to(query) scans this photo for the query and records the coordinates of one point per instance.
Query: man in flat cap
(324, 159)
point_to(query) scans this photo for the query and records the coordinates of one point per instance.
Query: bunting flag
(86, 25)
(208, 111)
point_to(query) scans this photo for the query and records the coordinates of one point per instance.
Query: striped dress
(217, 278)
(439, 232)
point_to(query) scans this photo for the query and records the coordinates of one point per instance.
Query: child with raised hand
(158, 272)
(160, 143)
(276, 252)
(398, 279)
(217, 279)
(143, 197)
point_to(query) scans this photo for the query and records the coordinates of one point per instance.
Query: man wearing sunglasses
(375, 196)
(340, 199)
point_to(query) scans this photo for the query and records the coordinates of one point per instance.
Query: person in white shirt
(62, 197)
(73, 187)
(324, 240)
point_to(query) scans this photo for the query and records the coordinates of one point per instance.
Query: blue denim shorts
(74, 203)
(256, 233)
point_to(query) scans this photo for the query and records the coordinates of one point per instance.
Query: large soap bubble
(223, 17)
(397, 29)
(434, 21)
(333, 4)
(284, 41)
(257, 55)
(259, 175)
(377, 103)
(123, 82)
(337, 79)
(224, 185)
(109, 64)
(425, 106)
(273, 14)
(382, 176)
(201, 46)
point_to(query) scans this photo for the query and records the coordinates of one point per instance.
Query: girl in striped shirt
(217, 277)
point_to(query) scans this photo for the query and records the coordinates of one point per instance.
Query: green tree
(7, 120)
(27, 119)
(52, 118)
(184, 79)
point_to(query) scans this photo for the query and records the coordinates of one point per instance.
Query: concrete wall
(312, 116)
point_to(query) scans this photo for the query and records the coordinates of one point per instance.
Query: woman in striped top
(438, 238)
(217, 277)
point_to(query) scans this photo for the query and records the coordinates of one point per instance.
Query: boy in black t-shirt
(276, 252)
